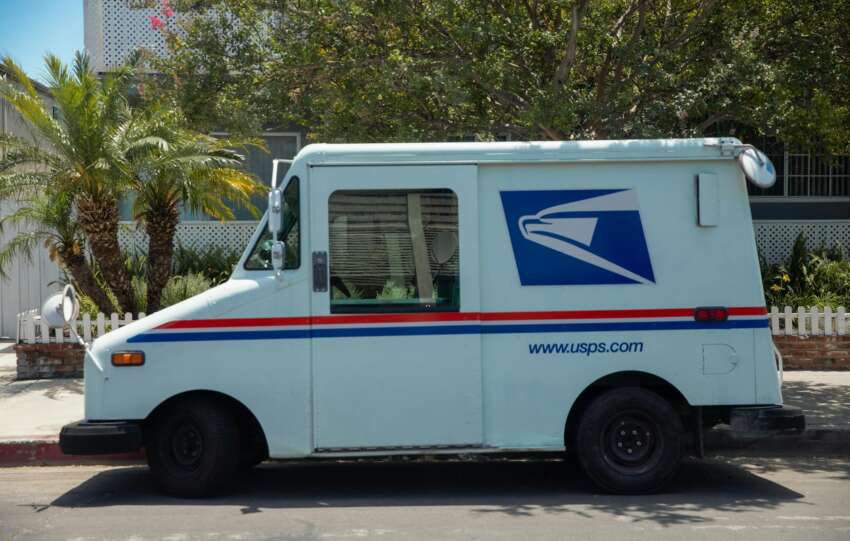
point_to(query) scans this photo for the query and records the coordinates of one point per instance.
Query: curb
(813, 441)
(46, 452)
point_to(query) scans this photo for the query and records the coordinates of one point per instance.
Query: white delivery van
(601, 298)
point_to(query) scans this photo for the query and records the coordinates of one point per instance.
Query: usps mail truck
(599, 298)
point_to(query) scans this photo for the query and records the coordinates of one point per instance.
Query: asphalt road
(759, 498)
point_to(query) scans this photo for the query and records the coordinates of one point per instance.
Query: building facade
(29, 280)
(811, 196)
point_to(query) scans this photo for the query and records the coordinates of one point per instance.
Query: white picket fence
(801, 321)
(812, 321)
(32, 329)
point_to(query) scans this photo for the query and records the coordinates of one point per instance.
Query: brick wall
(41, 361)
(814, 352)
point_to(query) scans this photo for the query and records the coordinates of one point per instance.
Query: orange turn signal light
(128, 358)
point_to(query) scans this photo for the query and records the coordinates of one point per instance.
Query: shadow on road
(512, 488)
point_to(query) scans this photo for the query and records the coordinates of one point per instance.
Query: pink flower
(166, 8)
(156, 22)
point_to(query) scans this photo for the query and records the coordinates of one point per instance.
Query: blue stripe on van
(345, 332)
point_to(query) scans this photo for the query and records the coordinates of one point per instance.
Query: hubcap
(630, 439)
(187, 445)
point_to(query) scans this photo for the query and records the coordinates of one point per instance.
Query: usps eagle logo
(572, 237)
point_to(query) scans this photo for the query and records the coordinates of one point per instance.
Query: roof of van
(533, 151)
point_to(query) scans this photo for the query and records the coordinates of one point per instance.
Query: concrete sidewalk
(823, 396)
(33, 412)
(35, 409)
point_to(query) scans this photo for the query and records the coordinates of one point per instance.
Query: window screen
(393, 251)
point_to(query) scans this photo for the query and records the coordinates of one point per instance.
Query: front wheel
(630, 441)
(194, 447)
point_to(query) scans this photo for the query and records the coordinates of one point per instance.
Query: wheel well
(622, 379)
(251, 434)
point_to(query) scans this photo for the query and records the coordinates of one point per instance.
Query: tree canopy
(383, 70)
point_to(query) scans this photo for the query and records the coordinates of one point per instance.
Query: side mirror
(275, 212)
(757, 167)
(278, 256)
(61, 309)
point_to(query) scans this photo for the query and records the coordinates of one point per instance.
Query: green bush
(214, 262)
(177, 289)
(193, 271)
(808, 278)
(182, 287)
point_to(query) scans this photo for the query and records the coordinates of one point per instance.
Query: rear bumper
(766, 420)
(99, 438)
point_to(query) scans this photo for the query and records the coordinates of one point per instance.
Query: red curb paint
(41, 452)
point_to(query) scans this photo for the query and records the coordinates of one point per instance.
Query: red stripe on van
(747, 311)
(448, 317)
(235, 322)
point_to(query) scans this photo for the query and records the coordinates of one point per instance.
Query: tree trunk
(161, 225)
(84, 279)
(99, 220)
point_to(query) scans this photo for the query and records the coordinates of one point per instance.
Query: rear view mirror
(757, 168)
(61, 309)
(278, 256)
(275, 212)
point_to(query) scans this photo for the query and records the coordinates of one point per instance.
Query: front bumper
(766, 420)
(99, 438)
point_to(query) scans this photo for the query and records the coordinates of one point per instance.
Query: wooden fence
(32, 329)
(814, 321)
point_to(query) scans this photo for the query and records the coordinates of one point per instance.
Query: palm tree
(169, 167)
(75, 160)
(46, 219)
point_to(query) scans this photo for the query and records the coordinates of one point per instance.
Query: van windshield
(260, 257)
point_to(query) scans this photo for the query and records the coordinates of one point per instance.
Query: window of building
(261, 254)
(393, 251)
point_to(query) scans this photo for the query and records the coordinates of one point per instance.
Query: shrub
(178, 288)
(182, 287)
(214, 262)
(808, 278)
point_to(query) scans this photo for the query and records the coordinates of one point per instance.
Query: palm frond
(22, 245)
(23, 186)
(26, 154)
(19, 76)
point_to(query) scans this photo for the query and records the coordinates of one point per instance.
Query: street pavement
(753, 498)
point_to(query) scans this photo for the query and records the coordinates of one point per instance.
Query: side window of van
(393, 251)
(261, 255)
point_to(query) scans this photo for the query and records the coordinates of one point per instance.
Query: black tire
(630, 441)
(250, 456)
(194, 447)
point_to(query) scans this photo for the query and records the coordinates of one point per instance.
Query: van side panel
(532, 378)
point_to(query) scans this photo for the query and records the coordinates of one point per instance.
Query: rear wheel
(630, 440)
(194, 447)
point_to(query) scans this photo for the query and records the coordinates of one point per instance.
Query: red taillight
(708, 314)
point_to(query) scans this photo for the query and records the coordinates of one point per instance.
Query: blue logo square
(573, 237)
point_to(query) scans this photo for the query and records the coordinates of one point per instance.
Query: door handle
(320, 272)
